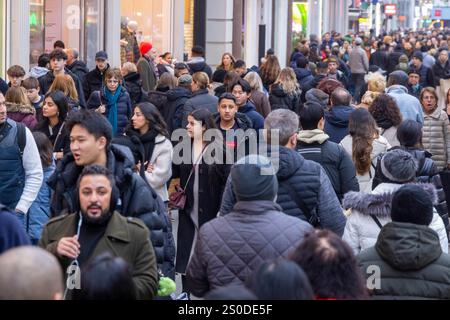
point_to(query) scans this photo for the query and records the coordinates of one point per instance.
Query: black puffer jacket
(133, 84)
(94, 81)
(79, 68)
(314, 145)
(427, 172)
(158, 98)
(137, 200)
(173, 111)
(279, 99)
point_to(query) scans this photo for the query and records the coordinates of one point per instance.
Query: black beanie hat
(412, 204)
(253, 178)
(418, 55)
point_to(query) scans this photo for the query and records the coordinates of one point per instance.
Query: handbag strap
(376, 221)
(193, 168)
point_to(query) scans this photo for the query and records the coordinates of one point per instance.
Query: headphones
(115, 198)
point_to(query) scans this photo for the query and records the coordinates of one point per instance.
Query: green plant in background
(299, 21)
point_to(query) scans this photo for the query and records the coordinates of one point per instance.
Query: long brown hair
(270, 70)
(233, 60)
(363, 129)
(64, 83)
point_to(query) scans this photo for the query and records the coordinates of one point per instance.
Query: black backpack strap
(376, 221)
(21, 137)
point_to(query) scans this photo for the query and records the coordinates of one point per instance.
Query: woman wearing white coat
(155, 163)
(369, 212)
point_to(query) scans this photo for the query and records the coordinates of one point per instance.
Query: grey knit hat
(399, 166)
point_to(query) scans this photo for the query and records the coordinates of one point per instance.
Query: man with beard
(97, 228)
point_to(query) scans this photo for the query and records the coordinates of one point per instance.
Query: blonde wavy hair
(288, 80)
(376, 82)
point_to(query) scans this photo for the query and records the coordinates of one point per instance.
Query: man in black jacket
(76, 66)
(58, 60)
(95, 78)
(441, 68)
(198, 62)
(313, 144)
(176, 99)
(380, 58)
(90, 135)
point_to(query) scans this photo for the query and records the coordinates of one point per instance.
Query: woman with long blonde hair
(258, 96)
(65, 83)
(285, 92)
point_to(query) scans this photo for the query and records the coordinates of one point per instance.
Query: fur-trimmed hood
(20, 108)
(379, 204)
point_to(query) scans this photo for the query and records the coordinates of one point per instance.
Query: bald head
(30, 273)
(341, 97)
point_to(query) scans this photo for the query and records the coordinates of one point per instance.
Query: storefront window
(151, 21)
(52, 20)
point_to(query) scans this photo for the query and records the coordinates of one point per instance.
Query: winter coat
(303, 76)
(60, 137)
(336, 122)
(37, 72)
(380, 145)
(426, 77)
(436, 137)
(124, 109)
(261, 102)
(200, 99)
(427, 172)
(380, 58)
(79, 68)
(137, 200)
(279, 99)
(361, 231)
(441, 72)
(158, 98)
(393, 59)
(22, 113)
(229, 249)
(146, 70)
(94, 81)
(318, 96)
(4, 86)
(133, 84)
(358, 61)
(211, 180)
(390, 135)
(250, 111)
(314, 145)
(12, 233)
(39, 212)
(409, 105)
(411, 263)
(173, 111)
(309, 181)
(126, 238)
(198, 64)
(312, 84)
(46, 81)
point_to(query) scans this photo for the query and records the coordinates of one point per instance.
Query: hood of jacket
(312, 136)
(197, 64)
(379, 202)
(408, 247)
(19, 108)
(339, 116)
(38, 72)
(302, 73)
(290, 162)
(78, 65)
(247, 108)
(398, 89)
(177, 93)
(132, 77)
(278, 91)
(316, 95)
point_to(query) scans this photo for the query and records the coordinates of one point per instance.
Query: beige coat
(436, 137)
(380, 145)
(162, 162)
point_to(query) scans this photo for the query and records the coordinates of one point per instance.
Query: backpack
(21, 137)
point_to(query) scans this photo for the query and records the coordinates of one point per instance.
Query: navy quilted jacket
(229, 249)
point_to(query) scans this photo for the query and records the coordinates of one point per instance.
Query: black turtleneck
(90, 235)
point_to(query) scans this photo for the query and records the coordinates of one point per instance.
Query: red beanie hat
(145, 47)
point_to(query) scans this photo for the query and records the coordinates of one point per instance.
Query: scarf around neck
(112, 107)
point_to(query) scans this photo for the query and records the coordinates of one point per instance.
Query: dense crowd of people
(328, 179)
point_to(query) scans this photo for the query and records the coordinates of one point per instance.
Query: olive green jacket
(127, 238)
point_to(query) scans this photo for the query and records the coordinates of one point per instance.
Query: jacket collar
(116, 228)
(255, 207)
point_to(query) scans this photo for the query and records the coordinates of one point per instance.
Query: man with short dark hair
(426, 74)
(240, 67)
(242, 91)
(315, 145)
(181, 69)
(335, 73)
(304, 75)
(414, 87)
(321, 73)
(90, 143)
(94, 79)
(95, 228)
(198, 62)
(58, 60)
(337, 119)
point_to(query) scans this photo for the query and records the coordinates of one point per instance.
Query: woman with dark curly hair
(386, 113)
